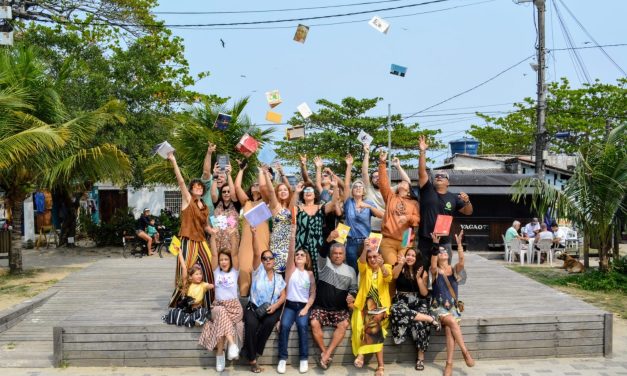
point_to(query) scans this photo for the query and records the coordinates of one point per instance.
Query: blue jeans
(290, 314)
(352, 251)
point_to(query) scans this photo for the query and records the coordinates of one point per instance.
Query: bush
(110, 233)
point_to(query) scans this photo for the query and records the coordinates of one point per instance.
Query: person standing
(435, 199)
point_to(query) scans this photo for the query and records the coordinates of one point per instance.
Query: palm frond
(20, 146)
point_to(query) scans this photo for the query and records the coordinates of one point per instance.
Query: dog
(571, 264)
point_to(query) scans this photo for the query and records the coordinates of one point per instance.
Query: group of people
(537, 231)
(292, 270)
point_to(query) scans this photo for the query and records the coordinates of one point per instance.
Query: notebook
(406, 242)
(304, 110)
(274, 117)
(343, 231)
(379, 24)
(258, 214)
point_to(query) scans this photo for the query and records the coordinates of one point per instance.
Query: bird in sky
(221, 41)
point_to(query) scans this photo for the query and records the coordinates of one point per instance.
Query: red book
(247, 145)
(443, 225)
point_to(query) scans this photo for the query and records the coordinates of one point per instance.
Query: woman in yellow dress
(369, 321)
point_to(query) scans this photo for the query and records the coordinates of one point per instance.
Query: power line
(592, 38)
(277, 10)
(577, 60)
(334, 23)
(161, 24)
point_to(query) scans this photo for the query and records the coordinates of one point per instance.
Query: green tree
(594, 197)
(332, 133)
(195, 128)
(585, 113)
(66, 152)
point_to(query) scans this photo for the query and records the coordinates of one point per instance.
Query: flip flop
(320, 363)
(359, 362)
(254, 368)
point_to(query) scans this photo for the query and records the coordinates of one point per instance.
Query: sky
(457, 45)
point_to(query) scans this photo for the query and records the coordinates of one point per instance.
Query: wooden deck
(110, 314)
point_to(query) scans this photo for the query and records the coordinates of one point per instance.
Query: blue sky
(446, 52)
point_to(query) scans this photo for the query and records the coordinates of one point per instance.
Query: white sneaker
(220, 362)
(233, 352)
(281, 367)
(304, 366)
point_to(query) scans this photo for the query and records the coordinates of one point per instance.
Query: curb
(11, 316)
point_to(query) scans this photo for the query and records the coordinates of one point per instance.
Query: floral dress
(309, 234)
(228, 232)
(405, 306)
(443, 303)
(280, 238)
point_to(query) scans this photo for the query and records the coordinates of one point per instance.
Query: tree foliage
(594, 197)
(332, 133)
(584, 113)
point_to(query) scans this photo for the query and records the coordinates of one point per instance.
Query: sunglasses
(308, 190)
(267, 258)
(300, 254)
(441, 176)
(373, 257)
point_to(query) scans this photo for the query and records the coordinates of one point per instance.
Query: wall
(152, 198)
(463, 162)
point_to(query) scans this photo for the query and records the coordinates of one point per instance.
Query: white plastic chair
(572, 241)
(545, 246)
(507, 252)
(516, 247)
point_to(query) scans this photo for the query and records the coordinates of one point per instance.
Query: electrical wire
(277, 10)
(592, 38)
(334, 23)
(570, 43)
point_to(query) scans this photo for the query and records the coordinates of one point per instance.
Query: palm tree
(594, 197)
(195, 128)
(41, 144)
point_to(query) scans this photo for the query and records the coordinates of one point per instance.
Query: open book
(163, 149)
(343, 231)
(258, 214)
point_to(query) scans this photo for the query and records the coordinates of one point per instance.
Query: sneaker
(232, 352)
(282, 365)
(220, 362)
(304, 366)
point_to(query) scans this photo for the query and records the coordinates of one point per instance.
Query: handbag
(458, 303)
(262, 310)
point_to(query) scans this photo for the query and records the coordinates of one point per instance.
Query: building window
(524, 170)
(172, 201)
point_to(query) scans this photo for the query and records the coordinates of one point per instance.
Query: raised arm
(364, 167)
(271, 195)
(229, 179)
(206, 166)
(330, 206)
(303, 168)
(422, 279)
(239, 191)
(318, 164)
(396, 163)
(289, 264)
(299, 188)
(186, 197)
(340, 182)
(214, 183)
(284, 178)
(347, 177)
(384, 183)
(423, 177)
(396, 271)
(434, 256)
(460, 251)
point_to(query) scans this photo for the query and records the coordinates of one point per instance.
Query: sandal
(420, 365)
(448, 370)
(470, 362)
(380, 371)
(321, 363)
(254, 368)
(359, 361)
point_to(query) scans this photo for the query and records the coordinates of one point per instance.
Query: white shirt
(226, 284)
(298, 286)
(561, 233)
(546, 235)
(530, 228)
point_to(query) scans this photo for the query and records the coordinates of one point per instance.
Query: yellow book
(374, 241)
(274, 117)
(343, 230)
(175, 246)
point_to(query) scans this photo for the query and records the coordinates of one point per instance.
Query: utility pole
(541, 105)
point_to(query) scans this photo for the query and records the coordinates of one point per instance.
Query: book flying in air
(295, 133)
(267, 155)
(247, 145)
(343, 231)
(443, 225)
(377, 310)
(301, 33)
(222, 122)
(398, 70)
(274, 98)
(364, 138)
(274, 117)
(258, 214)
(163, 149)
(379, 24)
(304, 110)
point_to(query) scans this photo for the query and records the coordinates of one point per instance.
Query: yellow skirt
(368, 331)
